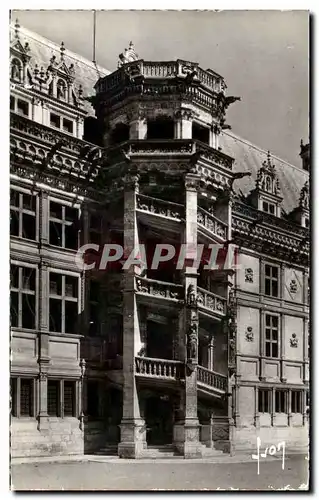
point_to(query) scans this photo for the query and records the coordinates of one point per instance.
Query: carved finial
(62, 50)
(268, 158)
(17, 28)
(128, 55)
(301, 143)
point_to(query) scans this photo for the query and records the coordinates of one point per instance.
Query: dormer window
(67, 126)
(269, 208)
(55, 120)
(22, 107)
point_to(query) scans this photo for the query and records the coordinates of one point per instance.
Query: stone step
(161, 451)
(107, 450)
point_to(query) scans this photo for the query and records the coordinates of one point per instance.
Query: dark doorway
(120, 133)
(200, 133)
(159, 420)
(159, 340)
(161, 128)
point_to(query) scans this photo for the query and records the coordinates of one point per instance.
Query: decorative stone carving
(267, 178)
(293, 287)
(294, 341)
(129, 55)
(191, 296)
(304, 197)
(249, 335)
(249, 275)
(192, 342)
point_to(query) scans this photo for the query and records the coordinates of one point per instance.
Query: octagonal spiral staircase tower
(169, 182)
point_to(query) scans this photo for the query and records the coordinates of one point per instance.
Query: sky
(263, 56)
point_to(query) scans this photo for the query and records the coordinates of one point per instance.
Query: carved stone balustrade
(161, 147)
(158, 368)
(211, 301)
(211, 379)
(160, 69)
(160, 289)
(160, 207)
(211, 223)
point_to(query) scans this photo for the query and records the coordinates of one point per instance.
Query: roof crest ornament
(128, 56)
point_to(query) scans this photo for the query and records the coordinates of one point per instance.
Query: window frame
(63, 298)
(61, 397)
(16, 396)
(20, 291)
(262, 399)
(283, 405)
(20, 210)
(272, 329)
(296, 403)
(272, 280)
(63, 222)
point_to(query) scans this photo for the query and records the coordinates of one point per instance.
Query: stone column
(44, 355)
(133, 432)
(186, 431)
(183, 127)
(273, 405)
(211, 353)
(289, 407)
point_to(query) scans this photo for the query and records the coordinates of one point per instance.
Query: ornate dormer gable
(267, 180)
(60, 80)
(19, 58)
(267, 194)
(128, 56)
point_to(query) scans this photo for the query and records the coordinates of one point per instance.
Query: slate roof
(41, 51)
(248, 157)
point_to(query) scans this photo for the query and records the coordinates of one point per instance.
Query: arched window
(61, 90)
(16, 69)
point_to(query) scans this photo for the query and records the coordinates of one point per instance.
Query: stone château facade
(186, 361)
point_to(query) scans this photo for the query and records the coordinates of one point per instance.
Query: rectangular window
(55, 120)
(69, 399)
(23, 297)
(23, 107)
(23, 214)
(12, 103)
(269, 208)
(67, 126)
(271, 280)
(264, 400)
(13, 395)
(271, 335)
(63, 303)
(306, 222)
(53, 398)
(296, 401)
(26, 397)
(22, 397)
(281, 401)
(64, 226)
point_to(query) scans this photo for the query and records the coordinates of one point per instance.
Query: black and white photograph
(160, 217)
